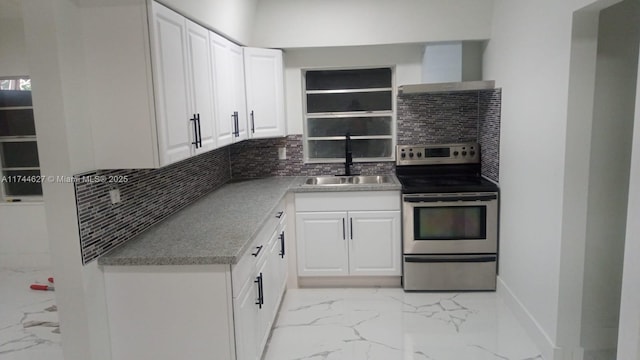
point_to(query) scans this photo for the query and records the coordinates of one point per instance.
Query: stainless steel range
(450, 218)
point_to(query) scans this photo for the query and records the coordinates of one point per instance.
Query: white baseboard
(349, 281)
(548, 349)
(30, 260)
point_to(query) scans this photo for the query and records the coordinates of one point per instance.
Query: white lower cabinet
(199, 312)
(259, 296)
(322, 246)
(350, 233)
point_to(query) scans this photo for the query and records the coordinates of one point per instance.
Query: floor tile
(29, 327)
(368, 324)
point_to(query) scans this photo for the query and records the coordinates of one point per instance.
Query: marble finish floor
(369, 324)
(28, 318)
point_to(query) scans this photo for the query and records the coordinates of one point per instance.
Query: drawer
(248, 263)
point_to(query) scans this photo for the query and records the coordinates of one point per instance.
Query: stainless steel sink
(328, 180)
(372, 179)
(349, 180)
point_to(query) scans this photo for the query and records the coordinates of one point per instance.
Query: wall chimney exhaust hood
(450, 66)
(446, 87)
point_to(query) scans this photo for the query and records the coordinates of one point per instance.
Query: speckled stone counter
(218, 228)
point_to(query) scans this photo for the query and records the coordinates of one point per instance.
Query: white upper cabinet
(201, 80)
(162, 88)
(171, 85)
(229, 95)
(183, 85)
(265, 92)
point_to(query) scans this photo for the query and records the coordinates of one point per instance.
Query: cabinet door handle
(195, 130)
(282, 244)
(199, 130)
(260, 300)
(253, 124)
(351, 228)
(344, 231)
(236, 124)
(279, 214)
(257, 251)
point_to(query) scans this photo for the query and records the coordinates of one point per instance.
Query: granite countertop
(219, 227)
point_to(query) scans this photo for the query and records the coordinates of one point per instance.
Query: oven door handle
(449, 259)
(417, 199)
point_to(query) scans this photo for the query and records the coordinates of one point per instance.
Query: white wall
(53, 34)
(23, 235)
(315, 23)
(23, 231)
(405, 58)
(12, 49)
(232, 19)
(529, 56)
(615, 84)
(442, 62)
(629, 330)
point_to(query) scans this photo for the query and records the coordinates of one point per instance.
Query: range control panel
(463, 153)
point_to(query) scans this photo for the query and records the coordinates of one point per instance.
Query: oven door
(450, 223)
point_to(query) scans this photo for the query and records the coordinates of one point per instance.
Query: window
(18, 147)
(358, 102)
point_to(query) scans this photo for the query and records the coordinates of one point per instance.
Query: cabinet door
(222, 88)
(322, 243)
(277, 274)
(228, 90)
(265, 92)
(238, 90)
(374, 243)
(246, 317)
(263, 323)
(171, 85)
(200, 79)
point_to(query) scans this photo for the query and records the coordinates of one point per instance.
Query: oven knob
(464, 153)
(472, 152)
(410, 154)
(419, 154)
(455, 153)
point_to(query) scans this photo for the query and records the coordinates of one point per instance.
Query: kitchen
(506, 60)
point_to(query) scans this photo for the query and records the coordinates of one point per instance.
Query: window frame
(348, 114)
(4, 197)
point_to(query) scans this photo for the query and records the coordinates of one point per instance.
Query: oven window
(450, 223)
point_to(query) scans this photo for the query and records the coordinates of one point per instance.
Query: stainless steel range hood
(446, 87)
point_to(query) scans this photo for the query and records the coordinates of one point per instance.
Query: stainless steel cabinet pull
(344, 231)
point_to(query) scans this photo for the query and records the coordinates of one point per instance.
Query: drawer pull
(279, 214)
(282, 245)
(257, 251)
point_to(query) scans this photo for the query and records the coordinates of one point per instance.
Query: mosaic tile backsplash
(489, 132)
(451, 117)
(147, 196)
(259, 158)
(150, 195)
